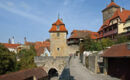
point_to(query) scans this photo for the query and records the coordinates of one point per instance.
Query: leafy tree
(26, 58)
(106, 42)
(7, 60)
(121, 39)
(90, 45)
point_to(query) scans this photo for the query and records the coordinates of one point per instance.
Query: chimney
(128, 46)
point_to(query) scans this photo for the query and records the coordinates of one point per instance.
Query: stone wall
(72, 49)
(58, 44)
(92, 61)
(50, 62)
(108, 13)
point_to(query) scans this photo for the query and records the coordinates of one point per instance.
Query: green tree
(26, 58)
(106, 42)
(90, 45)
(121, 39)
(7, 60)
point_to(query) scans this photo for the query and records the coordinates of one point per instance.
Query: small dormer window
(58, 27)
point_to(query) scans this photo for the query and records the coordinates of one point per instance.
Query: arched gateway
(52, 64)
(52, 73)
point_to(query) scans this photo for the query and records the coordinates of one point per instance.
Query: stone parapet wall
(52, 62)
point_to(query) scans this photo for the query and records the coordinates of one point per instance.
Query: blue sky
(34, 18)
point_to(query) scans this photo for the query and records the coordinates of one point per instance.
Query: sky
(33, 18)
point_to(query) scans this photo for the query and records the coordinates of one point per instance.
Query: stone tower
(58, 39)
(109, 10)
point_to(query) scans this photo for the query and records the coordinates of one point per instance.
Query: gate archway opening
(52, 73)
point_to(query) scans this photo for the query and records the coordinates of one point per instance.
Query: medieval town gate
(51, 64)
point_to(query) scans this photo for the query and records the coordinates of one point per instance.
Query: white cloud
(17, 11)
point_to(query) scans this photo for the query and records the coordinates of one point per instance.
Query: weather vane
(112, 0)
(58, 16)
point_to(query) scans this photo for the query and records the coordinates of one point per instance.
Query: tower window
(58, 34)
(58, 49)
(58, 27)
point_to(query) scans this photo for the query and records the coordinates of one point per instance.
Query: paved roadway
(76, 71)
(79, 72)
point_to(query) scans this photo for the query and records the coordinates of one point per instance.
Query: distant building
(12, 40)
(76, 37)
(12, 47)
(42, 47)
(79, 35)
(58, 39)
(114, 20)
(46, 52)
(9, 41)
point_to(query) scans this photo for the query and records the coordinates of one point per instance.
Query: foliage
(26, 58)
(90, 45)
(121, 39)
(106, 42)
(7, 60)
(93, 45)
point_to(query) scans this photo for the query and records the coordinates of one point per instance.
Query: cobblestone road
(79, 72)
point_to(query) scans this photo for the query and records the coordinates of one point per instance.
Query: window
(58, 34)
(58, 49)
(58, 27)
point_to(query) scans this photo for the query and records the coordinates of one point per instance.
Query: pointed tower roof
(112, 4)
(59, 24)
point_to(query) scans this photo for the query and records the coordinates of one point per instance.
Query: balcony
(110, 33)
(73, 42)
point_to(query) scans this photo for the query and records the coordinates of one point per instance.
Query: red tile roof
(11, 45)
(29, 43)
(122, 15)
(83, 34)
(119, 50)
(61, 27)
(39, 47)
(113, 4)
(24, 74)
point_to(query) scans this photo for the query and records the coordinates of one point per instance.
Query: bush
(7, 60)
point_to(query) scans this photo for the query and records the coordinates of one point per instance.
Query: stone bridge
(51, 63)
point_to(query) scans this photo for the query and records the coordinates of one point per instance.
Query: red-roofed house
(42, 48)
(12, 47)
(117, 61)
(78, 35)
(114, 19)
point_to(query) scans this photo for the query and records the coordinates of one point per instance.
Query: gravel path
(79, 72)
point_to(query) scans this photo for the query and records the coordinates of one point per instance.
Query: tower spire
(112, 0)
(58, 16)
